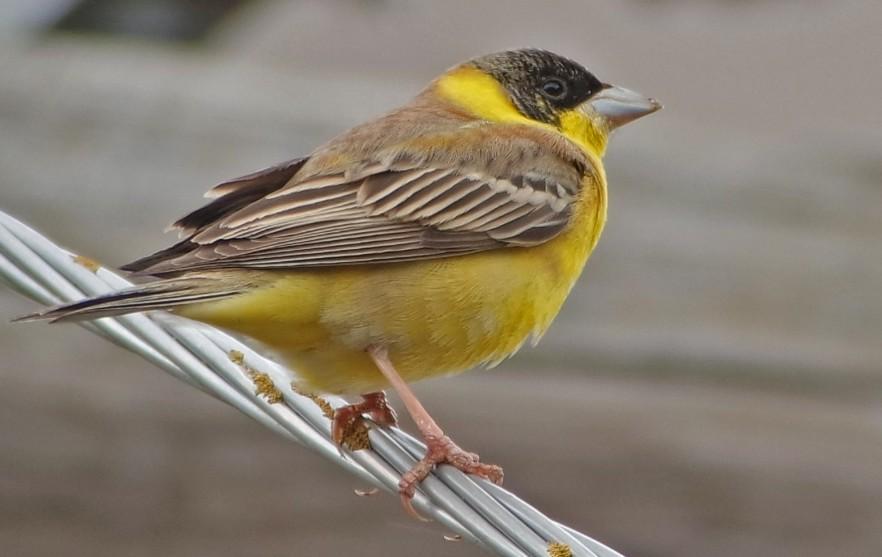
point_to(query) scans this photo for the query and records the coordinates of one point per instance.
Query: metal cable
(199, 355)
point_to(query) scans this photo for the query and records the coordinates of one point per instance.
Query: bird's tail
(161, 294)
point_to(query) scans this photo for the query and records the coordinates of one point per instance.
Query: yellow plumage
(435, 317)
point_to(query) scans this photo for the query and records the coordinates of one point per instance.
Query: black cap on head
(540, 83)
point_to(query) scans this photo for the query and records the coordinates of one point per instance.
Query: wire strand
(199, 355)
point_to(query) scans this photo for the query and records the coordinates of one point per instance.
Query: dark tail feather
(162, 294)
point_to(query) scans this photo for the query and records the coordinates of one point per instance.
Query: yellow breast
(435, 317)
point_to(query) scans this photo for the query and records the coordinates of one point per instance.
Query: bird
(434, 239)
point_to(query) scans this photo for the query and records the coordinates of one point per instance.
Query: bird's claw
(374, 405)
(442, 450)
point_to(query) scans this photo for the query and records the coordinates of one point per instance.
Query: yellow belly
(435, 317)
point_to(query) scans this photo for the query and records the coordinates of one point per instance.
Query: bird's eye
(554, 89)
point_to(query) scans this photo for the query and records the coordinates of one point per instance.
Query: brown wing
(392, 212)
(237, 193)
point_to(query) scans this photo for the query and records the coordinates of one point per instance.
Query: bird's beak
(618, 105)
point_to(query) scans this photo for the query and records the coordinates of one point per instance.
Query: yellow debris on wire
(263, 384)
(557, 549)
(86, 262)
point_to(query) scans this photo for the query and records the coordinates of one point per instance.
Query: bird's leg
(440, 448)
(373, 404)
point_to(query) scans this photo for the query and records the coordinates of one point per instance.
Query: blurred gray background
(713, 387)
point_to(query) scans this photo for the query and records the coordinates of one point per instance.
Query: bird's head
(540, 88)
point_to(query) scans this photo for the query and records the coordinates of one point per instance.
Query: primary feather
(163, 294)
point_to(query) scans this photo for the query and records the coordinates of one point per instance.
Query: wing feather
(403, 209)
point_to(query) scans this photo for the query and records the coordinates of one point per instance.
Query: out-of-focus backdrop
(713, 387)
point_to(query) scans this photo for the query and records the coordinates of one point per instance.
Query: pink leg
(440, 448)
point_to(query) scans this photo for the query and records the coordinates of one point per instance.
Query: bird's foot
(439, 447)
(374, 404)
(442, 450)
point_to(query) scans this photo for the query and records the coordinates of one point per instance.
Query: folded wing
(403, 210)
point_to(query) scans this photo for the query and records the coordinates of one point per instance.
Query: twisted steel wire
(473, 508)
